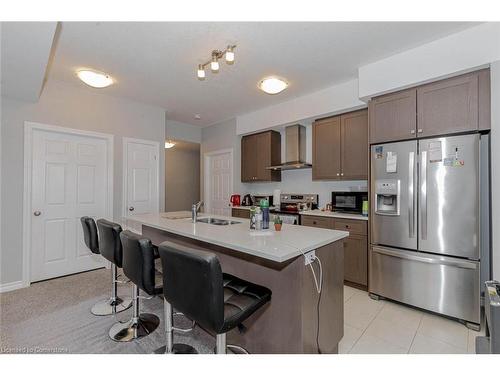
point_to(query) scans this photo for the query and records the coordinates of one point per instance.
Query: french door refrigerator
(430, 223)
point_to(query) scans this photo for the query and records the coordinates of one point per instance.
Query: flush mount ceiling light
(272, 85)
(169, 144)
(95, 79)
(228, 53)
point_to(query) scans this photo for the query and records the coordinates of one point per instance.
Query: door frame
(206, 169)
(126, 141)
(29, 128)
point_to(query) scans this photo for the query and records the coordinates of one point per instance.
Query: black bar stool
(115, 303)
(139, 267)
(195, 285)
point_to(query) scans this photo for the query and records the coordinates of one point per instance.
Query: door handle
(411, 200)
(131, 208)
(424, 259)
(423, 195)
(37, 213)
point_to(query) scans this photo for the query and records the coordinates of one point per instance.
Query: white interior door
(141, 176)
(69, 179)
(219, 178)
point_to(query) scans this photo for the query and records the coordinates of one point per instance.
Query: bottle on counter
(264, 207)
(253, 218)
(365, 208)
(258, 218)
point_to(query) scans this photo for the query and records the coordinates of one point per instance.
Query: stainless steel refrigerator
(430, 223)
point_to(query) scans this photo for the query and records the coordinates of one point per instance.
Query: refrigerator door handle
(423, 195)
(411, 200)
(423, 259)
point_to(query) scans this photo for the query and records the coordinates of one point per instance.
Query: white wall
(330, 101)
(182, 132)
(72, 107)
(456, 53)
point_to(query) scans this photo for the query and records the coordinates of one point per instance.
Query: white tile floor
(372, 327)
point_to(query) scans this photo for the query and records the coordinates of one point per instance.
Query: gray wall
(182, 176)
(182, 131)
(72, 107)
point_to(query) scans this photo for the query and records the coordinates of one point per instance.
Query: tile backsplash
(300, 181)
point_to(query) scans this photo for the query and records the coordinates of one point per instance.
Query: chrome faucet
(194, 211)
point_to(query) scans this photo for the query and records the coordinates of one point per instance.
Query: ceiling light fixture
(169, 144)
(214, 65)
(201, 72)
(95, 79)
(273, 85)
(228, 53)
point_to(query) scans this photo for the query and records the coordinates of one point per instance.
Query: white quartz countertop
(339, 215)
(289, 243)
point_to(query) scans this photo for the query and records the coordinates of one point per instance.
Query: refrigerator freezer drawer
(441, 284)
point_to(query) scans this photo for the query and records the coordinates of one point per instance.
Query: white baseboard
(7, 287)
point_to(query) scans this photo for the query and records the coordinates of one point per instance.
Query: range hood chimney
(295, 152)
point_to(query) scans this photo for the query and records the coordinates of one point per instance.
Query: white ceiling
(24, 55)
(155, 63)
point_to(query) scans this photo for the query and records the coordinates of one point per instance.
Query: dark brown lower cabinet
(355, 246)
(240, 212)
(356, 259)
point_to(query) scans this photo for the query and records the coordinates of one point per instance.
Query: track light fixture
(228, 53)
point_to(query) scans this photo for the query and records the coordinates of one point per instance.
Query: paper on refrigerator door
(435, 152)
(391, 163)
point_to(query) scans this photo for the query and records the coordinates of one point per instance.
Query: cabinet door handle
(37, 213)
(342, 174)
(412, 131)
(420, 130)
(338, 174)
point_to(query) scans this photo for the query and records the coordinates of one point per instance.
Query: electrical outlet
(309, 257)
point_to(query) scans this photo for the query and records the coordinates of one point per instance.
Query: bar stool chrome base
(110, 306)
(114, 304)
(177, 349)
(135, 328)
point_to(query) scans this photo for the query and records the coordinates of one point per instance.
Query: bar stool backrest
(109, 241)
(192, 284)
(90, 234)
(138, 261)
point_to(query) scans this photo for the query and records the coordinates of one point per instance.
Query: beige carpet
(54, 317)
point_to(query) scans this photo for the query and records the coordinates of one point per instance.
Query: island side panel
(331, 307)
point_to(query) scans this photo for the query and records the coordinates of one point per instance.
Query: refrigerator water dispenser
(387, 197)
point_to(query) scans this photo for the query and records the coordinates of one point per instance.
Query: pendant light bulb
(214, 65)
(230, 55)
(201, 72)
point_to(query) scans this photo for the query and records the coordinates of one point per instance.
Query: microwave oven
(349, 201)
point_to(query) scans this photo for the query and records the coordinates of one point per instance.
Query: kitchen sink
(214, 221)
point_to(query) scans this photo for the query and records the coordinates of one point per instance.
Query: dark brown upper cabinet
(448, 106)
(326, 149)
(453, 105)
(340, 147)
(393, 117)
(354, 145)
(259, 151)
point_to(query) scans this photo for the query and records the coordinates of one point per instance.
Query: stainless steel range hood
(295, 143)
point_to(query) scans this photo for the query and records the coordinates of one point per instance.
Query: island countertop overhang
(290, 242)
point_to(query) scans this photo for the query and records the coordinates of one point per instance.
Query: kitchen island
(289, 323)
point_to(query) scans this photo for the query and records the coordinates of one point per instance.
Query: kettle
(247, 200)
(235, 199)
